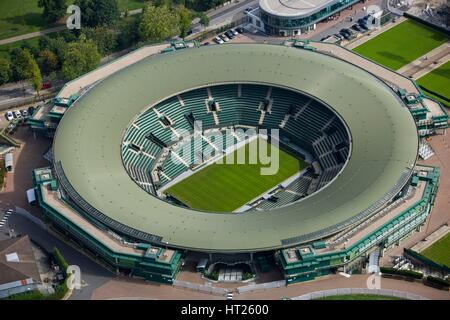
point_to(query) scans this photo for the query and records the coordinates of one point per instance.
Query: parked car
(357, 28)
(17, 114)
(345, 31)
(224, 37)
(363, 26)
(234, 32)
(345, 35)
(339, 36)
(9, 116)
(239, 30)
(46, 85)
(229, 34)
(218, 40)
(248, 9)
(31, 110)
(24, 113)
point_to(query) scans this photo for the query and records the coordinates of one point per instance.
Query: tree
(58, 45)
(98, 12)
(128, 34)
(81, 57)
(48, 61)
(21, 61)
(103, 37)
(27, 68)
(35, 77)
(158, 23)
(184, 20)
(53, 9)
(5, 71)
(204, 19)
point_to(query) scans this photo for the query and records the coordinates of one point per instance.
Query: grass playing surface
(439, 251)
(437, 81)
(226, 187)
(401, 44)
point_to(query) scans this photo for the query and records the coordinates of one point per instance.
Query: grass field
(439, 251)
(126, 5)
(437, 81)
(401, 44)
(19, 17)
(4, 49)
(226, 187)
(360, 297)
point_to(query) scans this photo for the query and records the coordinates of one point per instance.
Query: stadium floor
(401, 44)
(226, 187)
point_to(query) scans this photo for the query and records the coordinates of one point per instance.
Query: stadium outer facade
(294, 17)
(89, 196)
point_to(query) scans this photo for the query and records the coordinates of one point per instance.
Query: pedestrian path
(427, 62)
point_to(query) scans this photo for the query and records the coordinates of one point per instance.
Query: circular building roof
(88, 139)
(293, 8)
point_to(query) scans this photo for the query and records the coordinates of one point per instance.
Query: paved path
(440, 213)
(427, 62)
(49, 30)
(28, 157)
(121, 288)
(31, 35)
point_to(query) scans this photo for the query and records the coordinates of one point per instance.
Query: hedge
(438, 281)
(60, 261)
(60, 292)
(405, 273)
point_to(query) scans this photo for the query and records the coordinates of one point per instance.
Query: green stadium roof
(384, 146)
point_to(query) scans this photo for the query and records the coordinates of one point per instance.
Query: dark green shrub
(438, 281)
(405, 273)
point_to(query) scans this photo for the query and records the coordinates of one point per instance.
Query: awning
(31, 195)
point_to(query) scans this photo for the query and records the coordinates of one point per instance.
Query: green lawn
(126, 5)
(360, 297)
(401, 44)
(19, 17)
(4, 49)
(440, 251)
(226, 187)
(437, 81)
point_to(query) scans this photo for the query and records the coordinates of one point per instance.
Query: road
(31, 35)
(93, 275)
(226, 14)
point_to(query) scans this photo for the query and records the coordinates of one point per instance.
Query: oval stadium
(132, 183)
